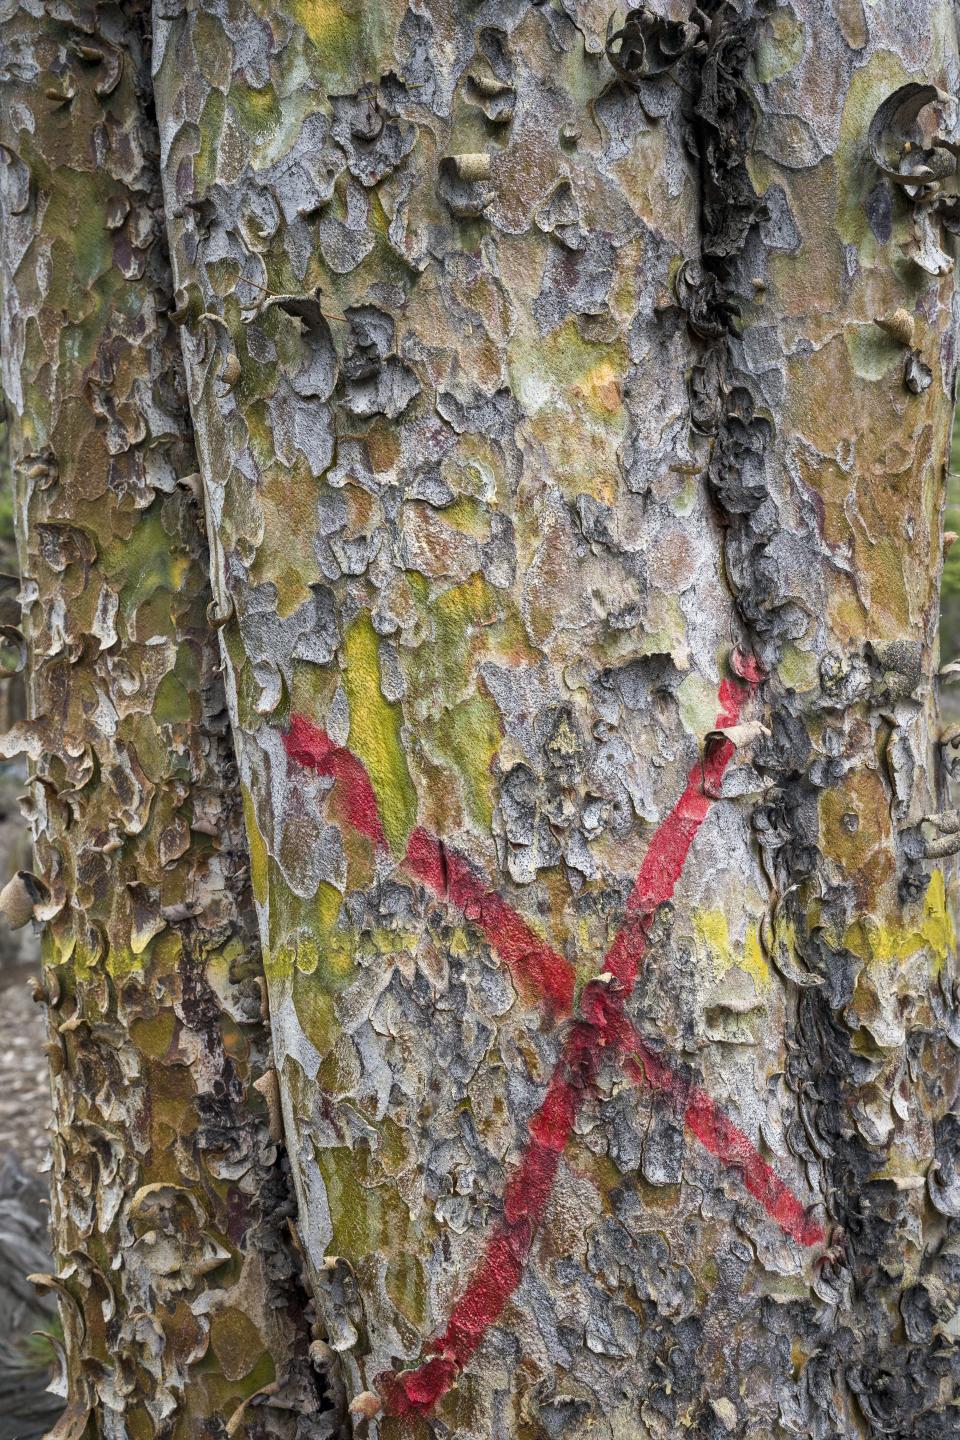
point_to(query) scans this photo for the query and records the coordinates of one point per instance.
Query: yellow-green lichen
(375, 731)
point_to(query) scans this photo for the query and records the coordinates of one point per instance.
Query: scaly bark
(572, 402)
(179, 1289)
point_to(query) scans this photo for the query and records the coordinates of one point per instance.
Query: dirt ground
(27, 1410)
(24, 1089)
(24, 1086)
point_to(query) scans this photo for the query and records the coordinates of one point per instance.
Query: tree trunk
(572, 404)
(577, 543)
(179, 1290)
(573, 409)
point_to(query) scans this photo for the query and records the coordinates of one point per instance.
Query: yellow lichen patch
(212, 49)
(799, 669)
(873, 353)
(140, 567)
(172, 1093)
(697, 698)
(869, 87)
(712, 931)
(184, 1331)
(312, 687)
(468, 737)
(466, 621)
(162, 950)
(314, 1009)
(468, 516)
(488, 298)
(340, 1070)
(317, 961)
(337, 27)
(570, 390)
(153, 1037)
(836, 490)
(367, 1218)
(286, 557)
(259, 860)
(220, 1391)
(301, 933)
(256, 113)
(892, 942)
(211, 129)
(753, 960)
(375, 732)
(405, 1284)
(780, 45)
(330, 955)
(382, 445)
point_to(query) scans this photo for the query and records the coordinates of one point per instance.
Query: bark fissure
(878, 1369)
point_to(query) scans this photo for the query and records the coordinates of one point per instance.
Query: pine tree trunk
(179, 1290)
(572, 407)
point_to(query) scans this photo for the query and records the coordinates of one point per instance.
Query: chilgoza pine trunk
(178, 1289)
(573, 412)
(552, 419)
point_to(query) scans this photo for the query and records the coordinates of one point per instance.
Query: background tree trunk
(179, 1289)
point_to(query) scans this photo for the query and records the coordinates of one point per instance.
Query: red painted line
(309, 746)
(719, 1135)
(541, 972)
(603, 1028)
(670, 845)
(505, 1255)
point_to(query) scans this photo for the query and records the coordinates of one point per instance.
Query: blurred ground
(24, 1087)
(24, 1092)
(27, 1411)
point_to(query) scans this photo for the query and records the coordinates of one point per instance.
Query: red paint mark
(718, 1134)
(603, 1028)
(539, 969)
(670, 845)
(525, 1200)
(721, 1137)
(747, 667)
(309, 746)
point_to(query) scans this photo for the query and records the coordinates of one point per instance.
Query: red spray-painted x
(602, 1027)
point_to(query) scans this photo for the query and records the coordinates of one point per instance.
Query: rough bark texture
(547, 427)
(178, 1285)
